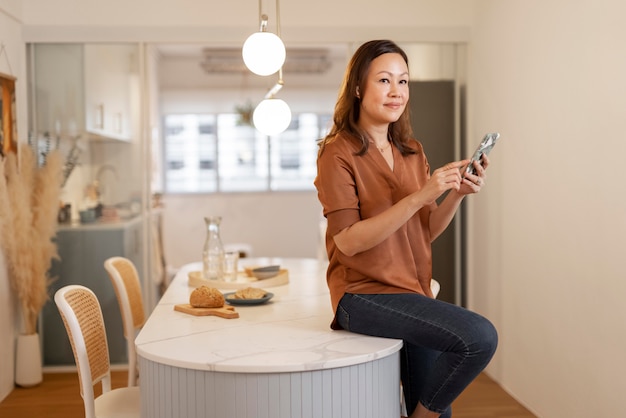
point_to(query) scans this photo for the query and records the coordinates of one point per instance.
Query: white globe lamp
(263, 53)
(272, 116)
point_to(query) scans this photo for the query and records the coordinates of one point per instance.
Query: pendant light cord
(280, 70)
(278, 19)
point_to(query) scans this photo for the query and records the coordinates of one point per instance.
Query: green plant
(245, 113)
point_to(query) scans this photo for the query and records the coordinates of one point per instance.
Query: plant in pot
(29, 204)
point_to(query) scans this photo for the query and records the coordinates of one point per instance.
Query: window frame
(290, 171)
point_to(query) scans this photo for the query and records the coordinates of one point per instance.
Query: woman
(379, 199)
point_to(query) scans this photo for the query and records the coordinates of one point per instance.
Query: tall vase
(28, 367)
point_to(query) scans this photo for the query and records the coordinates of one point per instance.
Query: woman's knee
(486, 338)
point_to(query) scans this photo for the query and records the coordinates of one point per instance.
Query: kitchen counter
(100, 225)
(279, 359)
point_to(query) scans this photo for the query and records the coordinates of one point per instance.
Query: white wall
(274, 224)
(12, 62)
(548, 236)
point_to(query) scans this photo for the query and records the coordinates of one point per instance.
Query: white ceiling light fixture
(272, 116)
(264, 52)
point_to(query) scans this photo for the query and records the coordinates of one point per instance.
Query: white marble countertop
(289, 333)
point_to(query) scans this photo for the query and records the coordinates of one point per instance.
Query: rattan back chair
(127, 285)
(81, 313)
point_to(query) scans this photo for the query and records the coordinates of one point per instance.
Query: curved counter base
(367, 390)
(276, 360)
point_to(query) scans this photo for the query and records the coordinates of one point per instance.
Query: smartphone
(485, 146)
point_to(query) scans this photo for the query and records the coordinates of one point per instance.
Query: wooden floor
(485, 399)
(58, 397)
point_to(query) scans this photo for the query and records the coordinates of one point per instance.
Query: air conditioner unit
(299, 60)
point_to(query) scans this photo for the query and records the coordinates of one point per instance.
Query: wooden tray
(243, 281)
(227, 312)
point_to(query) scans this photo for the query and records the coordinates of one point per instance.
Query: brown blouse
(351, 188)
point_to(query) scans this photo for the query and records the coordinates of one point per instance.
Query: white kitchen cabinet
(111, 86)
(86, 88)
(57, 89)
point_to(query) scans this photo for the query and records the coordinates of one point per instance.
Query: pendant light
(264, 52)
(272, 116)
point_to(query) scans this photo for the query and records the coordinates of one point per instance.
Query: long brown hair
(348, 106)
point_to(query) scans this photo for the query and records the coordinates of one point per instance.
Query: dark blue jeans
(445, 346)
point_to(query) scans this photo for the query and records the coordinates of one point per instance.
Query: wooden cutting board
(227, 312)
(243, 281)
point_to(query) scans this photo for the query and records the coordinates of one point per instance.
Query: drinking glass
(231, 259)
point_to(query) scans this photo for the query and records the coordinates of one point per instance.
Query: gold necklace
(383, 149)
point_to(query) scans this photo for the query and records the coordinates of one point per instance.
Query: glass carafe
(213, 251)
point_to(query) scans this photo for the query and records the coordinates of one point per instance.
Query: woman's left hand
(472, 183)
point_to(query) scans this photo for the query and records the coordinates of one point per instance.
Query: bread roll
(206, 297)
(249, 293)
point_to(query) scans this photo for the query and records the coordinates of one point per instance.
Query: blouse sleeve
(336, 189)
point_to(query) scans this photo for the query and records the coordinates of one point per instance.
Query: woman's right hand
(367, 233)
(442, 179)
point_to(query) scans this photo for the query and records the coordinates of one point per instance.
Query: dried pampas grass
(29, 202)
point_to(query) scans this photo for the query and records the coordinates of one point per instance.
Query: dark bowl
(266, 272)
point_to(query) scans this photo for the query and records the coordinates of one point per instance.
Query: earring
(358, 95)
